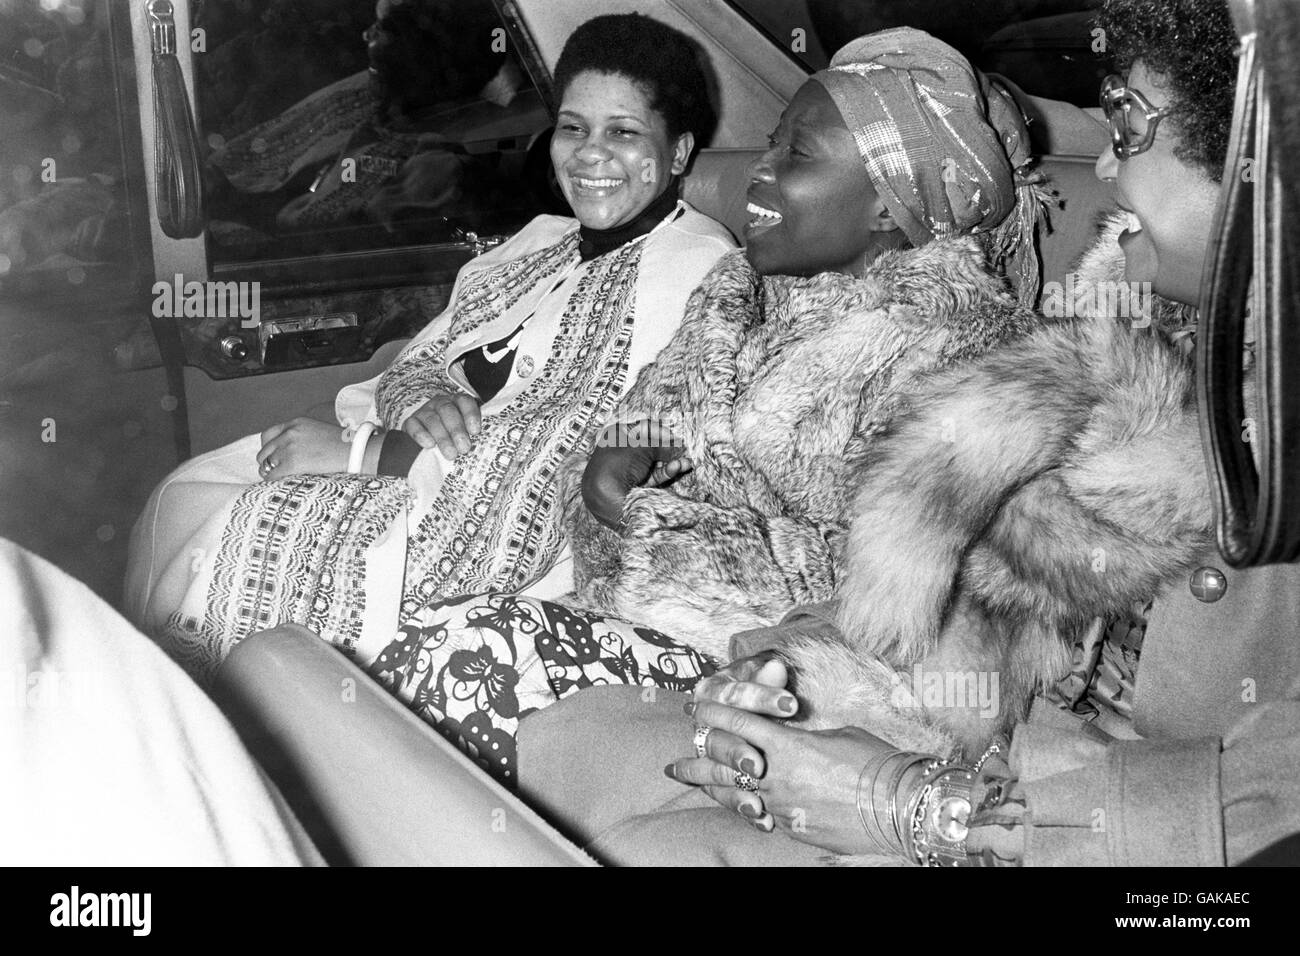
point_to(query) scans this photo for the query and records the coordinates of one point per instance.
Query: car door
(352, 157)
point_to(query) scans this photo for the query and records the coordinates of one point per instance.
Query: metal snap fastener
(525, 366)
(1208, 584)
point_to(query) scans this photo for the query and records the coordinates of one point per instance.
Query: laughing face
(811, 202)
(1169, 203)
(611, 150)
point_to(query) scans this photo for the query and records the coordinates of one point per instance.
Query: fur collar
(943, 280)
(990, 508)
(783, 342)
(1090, 290)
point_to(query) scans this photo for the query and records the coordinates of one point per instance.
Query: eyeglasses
(1131, 116)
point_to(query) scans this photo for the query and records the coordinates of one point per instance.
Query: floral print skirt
(474, 666)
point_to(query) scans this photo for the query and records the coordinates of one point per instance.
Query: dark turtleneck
(398, 451)
(597, 242)
(488, 378)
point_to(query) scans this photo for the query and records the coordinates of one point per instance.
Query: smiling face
(812, 205)
(1170, 205)
(611, 150)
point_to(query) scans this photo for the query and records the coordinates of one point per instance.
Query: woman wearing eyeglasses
(1174, 739)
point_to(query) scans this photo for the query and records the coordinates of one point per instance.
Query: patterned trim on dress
(495, 524)
(421, 375)
(293, 551)
(420, 371)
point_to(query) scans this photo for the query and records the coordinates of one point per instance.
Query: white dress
(200, 579)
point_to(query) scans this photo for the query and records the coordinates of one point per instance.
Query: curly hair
(1192, 45)
(667, 64)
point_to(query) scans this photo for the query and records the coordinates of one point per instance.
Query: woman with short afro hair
(1183, 42)
(643, 50)
(437, 478)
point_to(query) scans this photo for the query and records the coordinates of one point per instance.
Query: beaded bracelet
(984, 758)
(894, 784)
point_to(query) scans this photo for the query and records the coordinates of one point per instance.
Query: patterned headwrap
(947, 151)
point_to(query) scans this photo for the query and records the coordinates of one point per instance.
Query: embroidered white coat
(214, 556)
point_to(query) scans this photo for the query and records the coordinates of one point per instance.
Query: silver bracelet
(907, 761)
(872, 764)
(893, 794)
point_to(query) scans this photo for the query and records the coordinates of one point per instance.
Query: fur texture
(1021, 495)
(839, 687)
(777, 386)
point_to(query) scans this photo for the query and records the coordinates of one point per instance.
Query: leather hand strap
(179, 182)
(1252, 263)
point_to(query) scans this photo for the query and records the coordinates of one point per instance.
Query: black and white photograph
(650, 433)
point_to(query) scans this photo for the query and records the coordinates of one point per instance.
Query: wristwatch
(939, 817)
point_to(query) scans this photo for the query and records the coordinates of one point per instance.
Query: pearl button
(1208, 584)
(525, 366)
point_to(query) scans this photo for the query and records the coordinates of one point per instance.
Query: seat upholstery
(1073, 225)
(716, 184)
(718, 179)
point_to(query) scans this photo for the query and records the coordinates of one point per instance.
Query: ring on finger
(743, 781)
(702, 740)
(267, 466)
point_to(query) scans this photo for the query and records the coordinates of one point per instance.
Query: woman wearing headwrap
(796, 352)
(947, 152)
(882, 211)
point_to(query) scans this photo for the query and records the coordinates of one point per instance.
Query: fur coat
(1020, 496)
(777, 387)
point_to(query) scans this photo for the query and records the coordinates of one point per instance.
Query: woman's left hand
(666, 472)
(303, 446)
(807, 779)
(616, 466)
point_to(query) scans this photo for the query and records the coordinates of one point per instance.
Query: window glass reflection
(334, 127)
(62, 202)
(1047, 47)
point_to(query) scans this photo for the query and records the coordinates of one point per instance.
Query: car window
(62, 193)
(343, 127)
(1049, 48)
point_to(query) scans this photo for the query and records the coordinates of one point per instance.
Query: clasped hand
(807, 780)
(305, 446)
(639, 455)
(450, 422)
